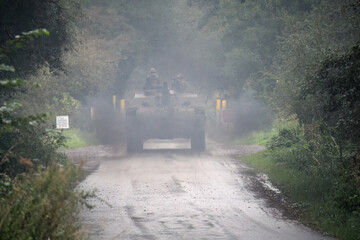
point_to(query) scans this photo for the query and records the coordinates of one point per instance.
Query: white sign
(62, 122)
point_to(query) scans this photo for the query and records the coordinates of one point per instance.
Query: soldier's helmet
(179, 76)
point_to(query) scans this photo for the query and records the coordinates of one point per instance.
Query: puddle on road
(264, 180)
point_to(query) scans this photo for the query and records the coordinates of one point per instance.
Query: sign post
(62, 122)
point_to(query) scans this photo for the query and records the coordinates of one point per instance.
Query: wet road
(178, 194)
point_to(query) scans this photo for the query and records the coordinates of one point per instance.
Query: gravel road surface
(179, 194)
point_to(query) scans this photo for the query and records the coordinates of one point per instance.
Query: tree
(59, 17)
(333, 91)
(250, 32)
(23, 141)
(327, 32)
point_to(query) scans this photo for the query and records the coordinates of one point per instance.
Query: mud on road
(179, 194)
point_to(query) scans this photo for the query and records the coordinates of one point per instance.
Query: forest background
(298, 58)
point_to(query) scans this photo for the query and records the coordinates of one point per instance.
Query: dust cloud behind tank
(162, 112)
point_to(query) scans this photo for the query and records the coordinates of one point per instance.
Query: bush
(43, 205)
(285, 138)
(29, 146)
(319, 174)
(36, 183)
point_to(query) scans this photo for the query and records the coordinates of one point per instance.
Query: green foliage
(28, 146)
(36, 182)
(289, 147)
(137, 35)
(334, 90)
(325, 202)
(7, 68)
(317, 174)
(260, 137)
(250, 31)
(20, 41)
(24, 143)
(109, 50)
(297, 185)
(66, 103)
(43, 205)
(150, 20)
(76, 138)
(240, 63)
(9, 83)
(285, 138)
(265, 135)
(18, 16)
(310, 43)
(308, 67)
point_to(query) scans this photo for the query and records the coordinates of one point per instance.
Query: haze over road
(179, 194)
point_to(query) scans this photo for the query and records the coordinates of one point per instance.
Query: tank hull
(165, 123)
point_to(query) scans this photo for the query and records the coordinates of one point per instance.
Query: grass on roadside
(262, 137)
(75, 138)
(295, 184)
(310, 194)
(256, 138)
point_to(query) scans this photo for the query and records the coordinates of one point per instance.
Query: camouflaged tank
(164, 114)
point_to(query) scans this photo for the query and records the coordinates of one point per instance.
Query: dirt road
(178, 194)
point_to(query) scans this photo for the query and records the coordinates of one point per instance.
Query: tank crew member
(152, 79)
(179, 84)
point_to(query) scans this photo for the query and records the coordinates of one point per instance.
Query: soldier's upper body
(152, 83)
(179, 84)
(152, 78)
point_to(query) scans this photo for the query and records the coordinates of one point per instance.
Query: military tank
(163, 113)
